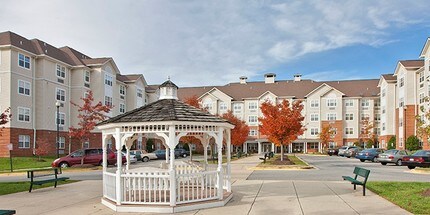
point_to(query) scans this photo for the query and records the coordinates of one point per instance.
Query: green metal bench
(363, 173)
(47, 176)
(7, 212)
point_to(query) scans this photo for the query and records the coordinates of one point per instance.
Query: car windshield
(422, 153)
(343, 147)
(369, 150)
(391, 151)
(78, 153)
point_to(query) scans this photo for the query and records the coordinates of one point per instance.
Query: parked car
(333, 151)
(182, 152)
(144, 156)
(92, 156)
(392, 156)
(161, 154)
(132, 158)
(343, 149)
(352, 152)
(420, 158)
(369, 154)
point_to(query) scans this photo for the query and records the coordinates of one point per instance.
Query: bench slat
(49, 180)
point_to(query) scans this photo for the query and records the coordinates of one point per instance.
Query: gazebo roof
(165, 110)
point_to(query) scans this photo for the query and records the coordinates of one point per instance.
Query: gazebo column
(172, 171)
(104, 147)
(118, 145)
(220, 177)
(228, 152)
(128, 144)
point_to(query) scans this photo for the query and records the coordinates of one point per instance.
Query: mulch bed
(426, 193)
(286, 161)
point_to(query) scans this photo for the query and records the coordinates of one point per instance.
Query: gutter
(33, 103)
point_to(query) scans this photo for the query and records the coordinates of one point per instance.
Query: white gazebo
(178, 185)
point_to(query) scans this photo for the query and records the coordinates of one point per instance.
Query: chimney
(269, 78)
(243, 79)
(297, 77)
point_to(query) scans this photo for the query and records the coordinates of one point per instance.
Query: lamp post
(57, 104)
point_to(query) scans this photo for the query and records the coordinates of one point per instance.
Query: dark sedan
(161, 154)
(369, 154)
(182, 152)
(420, 158)
(333, 151)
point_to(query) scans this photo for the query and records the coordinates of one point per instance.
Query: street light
(57, 104)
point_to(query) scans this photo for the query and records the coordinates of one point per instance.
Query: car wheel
(362, 160)
(64, 165)
(383, 163)
(411, 167)
(145, 159)
(374, 160)
(399, 162)
(184, 155)
(329, 154)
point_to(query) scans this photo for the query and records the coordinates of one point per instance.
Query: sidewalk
(250, 197)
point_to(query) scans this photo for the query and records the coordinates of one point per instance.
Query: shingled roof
(412, 63)
(165, 110)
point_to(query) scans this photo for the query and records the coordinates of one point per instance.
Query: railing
(226, 178)
(146, 187)
(195, 187)
(187, 168)
(109, 185)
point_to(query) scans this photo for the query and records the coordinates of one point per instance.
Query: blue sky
(216, 41)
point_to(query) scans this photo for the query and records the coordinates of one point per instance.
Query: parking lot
(332, 168)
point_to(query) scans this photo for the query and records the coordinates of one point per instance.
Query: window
(86, 94)
(24, 141)
(349, 116)
(402, 82)
(23, 114)
(422, 79)
(383, 92)
(365, 103)
(139, 93)
(400, 122)
(422, 99)
(108, 80)
(377, 103)
(122, 91)
(24, 87)
(331, 116)
(314, 131)
(61, 119)
(252, 105)
(377, 117)
(108, 101)
(252, 119)
(61, 95)
(122, 108)
(401, 102)
(331, 103)
(383, 126)
(331, 145)
(315, 103)
(314, 117)
(109, 144)
(87, 76)
(253, 132)
(222, 106)
(349, 130)
(61, 71)
(349, 103)
(237, 108)
(365, 116)
(86, 145)
(23, 61)
(207, 105)
(313, 145)
(383, 109)
(401, 142)
(61, 142)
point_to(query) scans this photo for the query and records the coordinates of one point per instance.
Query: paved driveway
(332, 168)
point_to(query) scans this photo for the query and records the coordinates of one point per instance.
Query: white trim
(56, 92)
(29, 114)
(30, 89)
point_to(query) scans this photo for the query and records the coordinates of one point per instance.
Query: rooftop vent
(297, 77)
(269, 78)
(243, 79)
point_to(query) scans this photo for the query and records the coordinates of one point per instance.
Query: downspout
(415, 101)
(33, 103)
(68, 111)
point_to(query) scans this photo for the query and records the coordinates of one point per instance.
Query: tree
(193, 101)
(367, 134)
(89, 115)
(422, 122)
(413, 143)
(326, 135)
(282, 122)
(5, 117)
(391, 143)
(240, 131)
(42, 148)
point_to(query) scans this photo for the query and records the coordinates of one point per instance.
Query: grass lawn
(272, 161)
(15, 187)
(408, 195)
(25, 163)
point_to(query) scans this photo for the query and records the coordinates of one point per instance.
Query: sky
(214, 42)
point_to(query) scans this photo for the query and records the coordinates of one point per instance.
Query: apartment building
(35, 75)
(342, 104)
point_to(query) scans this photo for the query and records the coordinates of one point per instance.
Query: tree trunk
(282, 152)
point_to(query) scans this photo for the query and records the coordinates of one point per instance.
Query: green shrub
(391, 143)
(149, 145)
(412, 143)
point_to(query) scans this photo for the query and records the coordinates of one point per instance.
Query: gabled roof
(10, 38)
(425, 47)
(267, 92)
(408, 64)
(213, 89)
(165, 110)
(389, 78)
(44, 48)
(96, 61)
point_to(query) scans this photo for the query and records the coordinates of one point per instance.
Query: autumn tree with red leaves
(326, 135)
(89, 115)
(5, 117)
(367, 134)
(42, 148)
(240, 131)
(282, 123)
(193, 101)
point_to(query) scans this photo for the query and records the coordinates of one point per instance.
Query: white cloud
(208, 42)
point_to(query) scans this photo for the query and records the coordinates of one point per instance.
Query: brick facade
(384, 139)
(338, 125)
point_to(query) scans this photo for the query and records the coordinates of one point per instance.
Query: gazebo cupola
(168, 90)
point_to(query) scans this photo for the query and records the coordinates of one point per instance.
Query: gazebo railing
(197, 186)
(109, 185)
(226, 178)
(146, 187)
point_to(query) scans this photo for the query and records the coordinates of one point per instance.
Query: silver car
(343, 149)
(392, 156)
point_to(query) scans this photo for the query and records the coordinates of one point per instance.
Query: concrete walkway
(250, 197)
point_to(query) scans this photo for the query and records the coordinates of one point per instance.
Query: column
(220, 177)
(306, 147)
(228, 160)
(245, 147)
(104, 147)
(127, 156)
(118, 145)
(171, 143)
(259, 147)
(273, 148)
